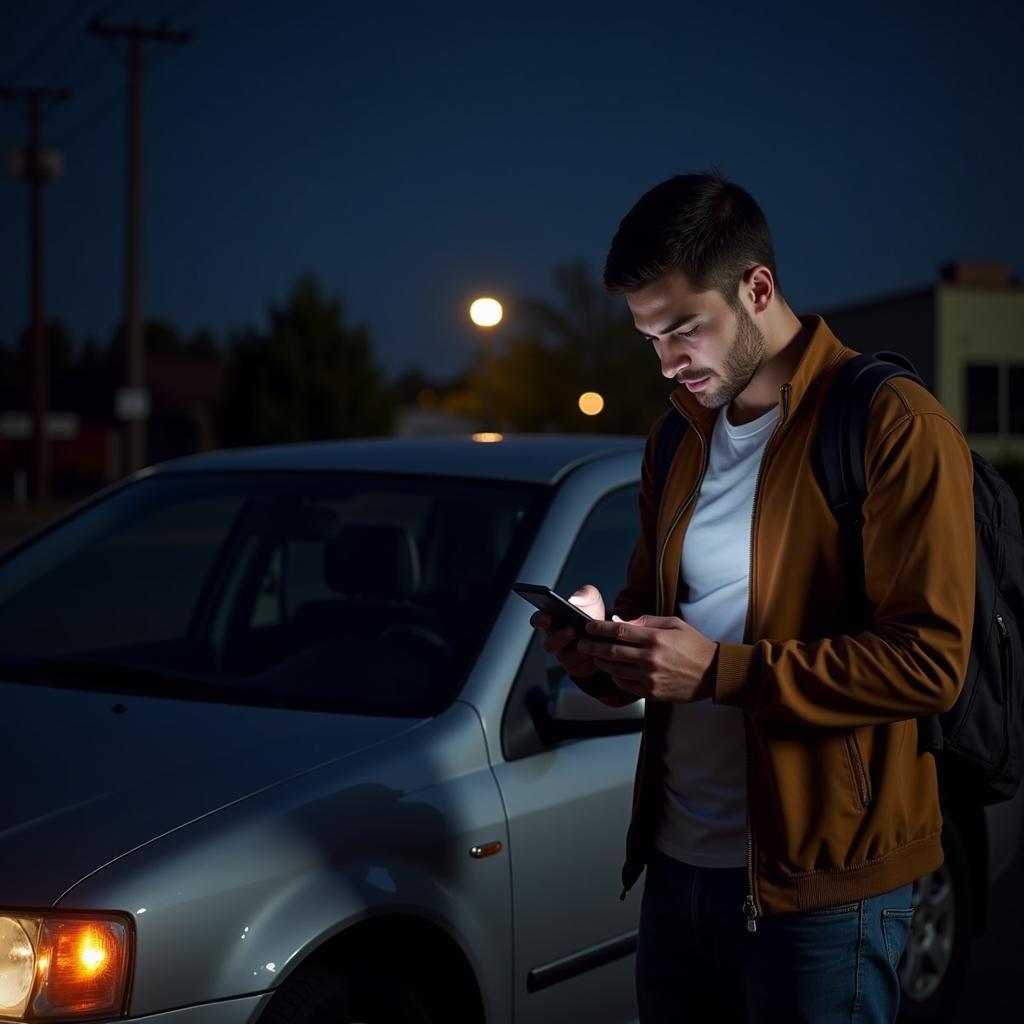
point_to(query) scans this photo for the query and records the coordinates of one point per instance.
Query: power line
(85, 74)
(79, 45)
(70, 67)
(74, 18)
(49, 38)
(63, 67)
(99, 113)
(102, 110)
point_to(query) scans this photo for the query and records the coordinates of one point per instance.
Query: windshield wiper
(107, 676)
(102, 676)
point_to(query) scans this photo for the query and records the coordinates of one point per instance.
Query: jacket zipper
(750, 907)
(659, 595)
(679, 514)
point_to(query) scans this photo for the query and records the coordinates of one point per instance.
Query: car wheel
(359, 994)
(934, 963)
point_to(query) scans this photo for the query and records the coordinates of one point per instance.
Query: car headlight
(63, 965)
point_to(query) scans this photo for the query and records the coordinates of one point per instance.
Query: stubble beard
(741, 363)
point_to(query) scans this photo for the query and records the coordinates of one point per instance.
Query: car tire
(358, 994)
(934, 964)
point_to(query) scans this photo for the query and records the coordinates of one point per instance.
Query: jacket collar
(821, 352)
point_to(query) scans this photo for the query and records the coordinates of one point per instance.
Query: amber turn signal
(64, 965)
(86, 964)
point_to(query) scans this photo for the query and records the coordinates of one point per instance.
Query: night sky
(414, 155)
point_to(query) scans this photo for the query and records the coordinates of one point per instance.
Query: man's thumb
(659, 621)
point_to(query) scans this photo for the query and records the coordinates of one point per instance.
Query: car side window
(603, 546)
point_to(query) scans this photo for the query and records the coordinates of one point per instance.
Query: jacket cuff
(734, 678)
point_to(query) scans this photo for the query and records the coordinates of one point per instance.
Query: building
(965, 335)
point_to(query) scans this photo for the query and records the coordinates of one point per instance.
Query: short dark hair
(708, 228)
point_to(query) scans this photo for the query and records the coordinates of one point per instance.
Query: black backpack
(979, 742)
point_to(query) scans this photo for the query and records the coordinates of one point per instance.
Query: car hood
(85, 783)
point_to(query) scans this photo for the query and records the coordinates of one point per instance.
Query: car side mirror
(571, 713)
(546, 708)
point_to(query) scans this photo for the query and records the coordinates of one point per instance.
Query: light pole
(37, 165)
(486, 313)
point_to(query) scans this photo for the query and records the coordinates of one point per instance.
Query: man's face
(700, 340)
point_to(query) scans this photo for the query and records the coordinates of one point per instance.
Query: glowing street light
(485, 312)
(591, 403)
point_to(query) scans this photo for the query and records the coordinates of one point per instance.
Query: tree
(16, 365)
(161, 338)
(584, 342)
(534, 385)
(309, 377)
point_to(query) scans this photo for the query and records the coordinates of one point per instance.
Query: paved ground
(995, 985)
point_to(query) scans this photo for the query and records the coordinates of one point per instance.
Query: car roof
(535, 458)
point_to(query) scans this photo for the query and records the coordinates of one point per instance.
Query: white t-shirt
(705, 820)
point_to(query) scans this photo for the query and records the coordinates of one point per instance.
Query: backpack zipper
(1006, 664)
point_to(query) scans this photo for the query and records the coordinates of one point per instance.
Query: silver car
(281, 746)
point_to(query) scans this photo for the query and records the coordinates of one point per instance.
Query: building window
(982, 399)
(1016, 399)
(995, 399)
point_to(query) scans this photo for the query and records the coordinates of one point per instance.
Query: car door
(568, 803)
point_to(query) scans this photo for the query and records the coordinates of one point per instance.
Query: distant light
(485, 312)
(487, 437)
(591, 403)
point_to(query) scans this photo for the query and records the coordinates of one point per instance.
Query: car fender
(233, 903)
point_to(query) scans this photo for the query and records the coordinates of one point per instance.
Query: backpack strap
(839, 446)
(669, 436)
(839, 455)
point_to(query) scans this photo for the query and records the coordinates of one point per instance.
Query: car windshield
(363, 593)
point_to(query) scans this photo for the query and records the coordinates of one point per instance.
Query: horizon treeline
(308, 373)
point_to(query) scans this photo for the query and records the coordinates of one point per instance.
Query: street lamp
(486, 313)
(591, 403)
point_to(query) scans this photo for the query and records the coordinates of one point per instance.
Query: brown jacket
(841, 805)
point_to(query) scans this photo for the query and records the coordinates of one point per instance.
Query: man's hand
(658, 657)
(562, 642)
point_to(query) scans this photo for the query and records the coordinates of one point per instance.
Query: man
(781, 808)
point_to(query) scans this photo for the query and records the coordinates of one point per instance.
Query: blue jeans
(697, 962)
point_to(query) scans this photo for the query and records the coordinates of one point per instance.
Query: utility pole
(37, 165)
(133, 398)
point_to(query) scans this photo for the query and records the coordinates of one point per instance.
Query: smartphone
(562, 612)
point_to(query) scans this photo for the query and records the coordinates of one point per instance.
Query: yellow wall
(977, 325)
